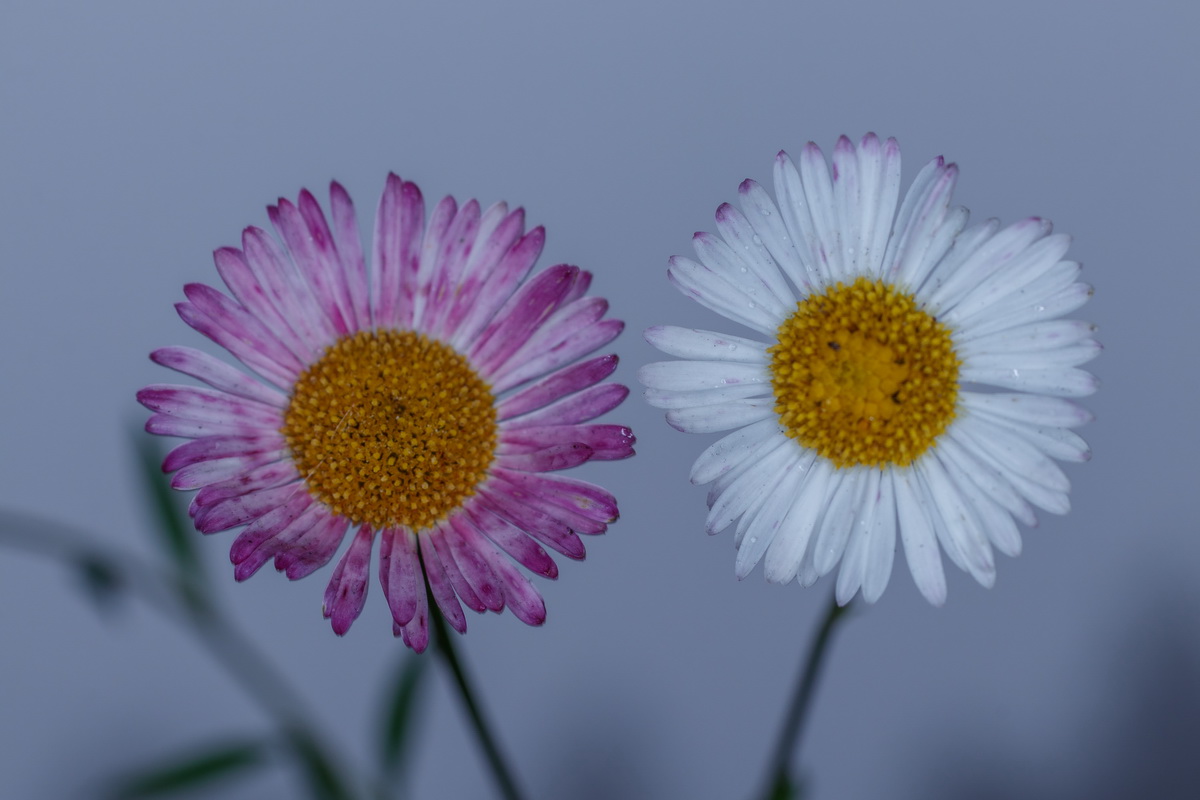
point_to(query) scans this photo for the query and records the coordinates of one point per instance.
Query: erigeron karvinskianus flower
(909, 374)
(422, 405)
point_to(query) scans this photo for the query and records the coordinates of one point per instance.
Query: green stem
(780, 785)
(183, 599)
(445, 647)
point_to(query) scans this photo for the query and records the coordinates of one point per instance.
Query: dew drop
(757, 239)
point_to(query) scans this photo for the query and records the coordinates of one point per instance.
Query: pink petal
(450, 262)
(415, 633)
(315, 548)
(435, 234)
(400, 573)
(221, 469)
(248, 354)
(439, 586)
(248, 290)
(241, 324)
(399, 222)
(551, 458)
(485, 259)
(211, 447)
(439, 538)
(286, 289)
(264, 477)
(347, 590)
(167, 425)
(531, 362)
(208, 405)
(579, 407)
(607, 442)
(328, 261)
(499, 286)
(522, 598)
(349, 248)
(527, 309)
(580, 496)
(568, 319)
(253, 547)
(548, 530)
(313, 268)
(217, 374)
(234, 511)
(471, 563)
(513, 541)
(506, 481)
(564, 382)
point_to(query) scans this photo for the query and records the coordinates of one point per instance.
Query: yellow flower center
(863, 376)
(391, 428)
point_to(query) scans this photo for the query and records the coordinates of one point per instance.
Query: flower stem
(445, 647)
(780, 784)
(181, 598)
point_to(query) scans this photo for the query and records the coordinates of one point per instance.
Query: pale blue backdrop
(136, 137)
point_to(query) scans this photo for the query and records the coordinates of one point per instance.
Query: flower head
(421, 405)
(913, 381)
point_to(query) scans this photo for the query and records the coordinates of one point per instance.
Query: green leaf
(174, 528)
(323, 780)
(101, 579)
(400, 714)
(190, 772)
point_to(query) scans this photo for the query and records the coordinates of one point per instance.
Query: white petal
(783, 558)
(920, 542)
(1057, 358)
(793, 205)
(748, 248)
(768, 224)
(1033, 409)
(735, 270)
(958, 528)
(694, 376)
(997, 524)
(842, 512)
(1068, 382)
(706, 345)
(721, 417)
(1037, 492)
(751, 487)
(664, 398)
(731, 450)
(881, 547)
(826, 245)
(1026, 338)
(762, 530)
(1058, 443)
(968, 241)
(713, 292)
(1009, 270)
(990, 480)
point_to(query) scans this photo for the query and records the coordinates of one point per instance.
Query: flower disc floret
(391, 428)
(863, 376)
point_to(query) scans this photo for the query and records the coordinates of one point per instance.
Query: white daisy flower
(909, 379)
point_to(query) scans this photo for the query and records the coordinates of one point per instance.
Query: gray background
(137, 137)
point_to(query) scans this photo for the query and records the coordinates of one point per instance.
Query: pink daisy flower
(421, 406)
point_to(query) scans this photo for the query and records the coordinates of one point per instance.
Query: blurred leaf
(174, 528)
(101, 580)
(192, 772)
(323, 779)
(400, 714)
